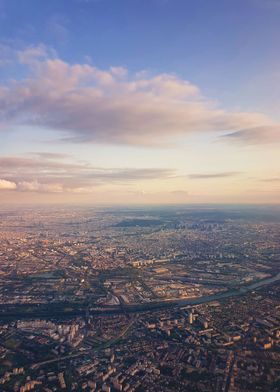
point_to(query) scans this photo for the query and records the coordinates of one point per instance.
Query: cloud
(256, 135)
(32, 54)
(4, 184)
(42, 173)
(270, 4)
(56, 27)
(7, 55)
(112, 106)
(35, 186)
(272, 179)
(50, 155)
(207, 176)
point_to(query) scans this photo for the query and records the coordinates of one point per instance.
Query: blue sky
(221, 44)
(226, 50)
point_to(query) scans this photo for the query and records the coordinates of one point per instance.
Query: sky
(139, 101)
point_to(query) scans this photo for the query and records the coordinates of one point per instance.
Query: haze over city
(139, 101)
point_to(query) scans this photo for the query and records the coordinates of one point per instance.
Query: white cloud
(32, 54)
(9, 185)
(35, 186)
(92, 105)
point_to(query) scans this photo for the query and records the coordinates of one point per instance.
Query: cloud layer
(207, 176)
(257, 135)
(88, 104)
(45, 173)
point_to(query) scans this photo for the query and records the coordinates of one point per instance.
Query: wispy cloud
(256, 135)
(43, 173)
(272, 179)
(112, 106)
(274, 4)
(50, 155)
(35, 186)
(207, 176)
(57, 28)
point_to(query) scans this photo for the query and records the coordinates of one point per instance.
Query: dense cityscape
(140, 299)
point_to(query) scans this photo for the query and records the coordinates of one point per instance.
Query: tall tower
(190, 317)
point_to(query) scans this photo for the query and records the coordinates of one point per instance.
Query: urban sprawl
(140, 299)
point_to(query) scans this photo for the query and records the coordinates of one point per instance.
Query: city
(140, 299)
